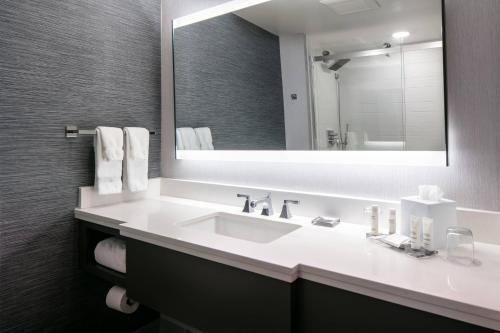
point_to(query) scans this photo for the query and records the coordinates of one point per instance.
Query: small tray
(323, 222)
(405, 248)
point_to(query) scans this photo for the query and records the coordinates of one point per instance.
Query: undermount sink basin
(247, 228)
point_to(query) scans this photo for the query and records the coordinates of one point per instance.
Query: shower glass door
(360, 105)
(372, 108)
(386, 99)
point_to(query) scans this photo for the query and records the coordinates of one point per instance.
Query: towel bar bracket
(72, 131)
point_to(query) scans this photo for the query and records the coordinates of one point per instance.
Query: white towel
(112, 143)
(108, 148)
(188, 139)
(112, 253)
(178, 139)
(205, 137)
(135, 165)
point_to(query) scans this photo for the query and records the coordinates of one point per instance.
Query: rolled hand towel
(108, 148)
(112, 253)
(136, 159)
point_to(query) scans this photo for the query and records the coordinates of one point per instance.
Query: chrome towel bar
(72, 131)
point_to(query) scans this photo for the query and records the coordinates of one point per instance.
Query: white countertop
(341, 257)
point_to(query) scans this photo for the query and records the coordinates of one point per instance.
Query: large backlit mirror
(342, 78)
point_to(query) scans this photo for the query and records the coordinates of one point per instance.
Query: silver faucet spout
(267, 209)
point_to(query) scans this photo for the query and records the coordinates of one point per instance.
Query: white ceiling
(353, 32)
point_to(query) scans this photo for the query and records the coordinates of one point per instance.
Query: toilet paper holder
(118, 300)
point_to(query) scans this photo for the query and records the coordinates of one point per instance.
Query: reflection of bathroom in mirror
(364, 75)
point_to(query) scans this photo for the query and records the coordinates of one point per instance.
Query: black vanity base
(198, 295)
(202, 295)
(321, 308)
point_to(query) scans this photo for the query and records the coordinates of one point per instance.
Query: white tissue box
(444, 214)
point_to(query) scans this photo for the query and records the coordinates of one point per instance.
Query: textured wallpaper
(228, 78)
(81, 62)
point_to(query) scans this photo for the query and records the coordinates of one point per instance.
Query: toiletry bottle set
(421, 234)
(374, 220)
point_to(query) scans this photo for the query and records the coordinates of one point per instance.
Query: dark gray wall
(82, 62)
(228, 78)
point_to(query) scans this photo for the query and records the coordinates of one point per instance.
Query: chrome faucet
(267, 209)
(248, 208)
(285, 211)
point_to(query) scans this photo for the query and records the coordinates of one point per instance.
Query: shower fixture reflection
(335, 139)
(339, 64)
(326, 57)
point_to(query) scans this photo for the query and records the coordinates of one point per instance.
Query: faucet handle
(295, 202)
(248, 207)
(285, 211)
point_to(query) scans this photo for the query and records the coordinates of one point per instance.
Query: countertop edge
(100, 220)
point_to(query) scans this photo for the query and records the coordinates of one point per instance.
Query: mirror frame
(389, 158)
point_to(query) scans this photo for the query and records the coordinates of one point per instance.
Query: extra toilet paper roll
(117, 299)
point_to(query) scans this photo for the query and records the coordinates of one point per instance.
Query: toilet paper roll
(117, 299)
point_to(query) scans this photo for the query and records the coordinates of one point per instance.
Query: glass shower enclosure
(383, 99)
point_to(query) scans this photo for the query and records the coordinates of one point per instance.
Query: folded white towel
(178, 139)
(205, 137)
(112, 253)
(108, 148)
(189, 139)
(112, 143)
(135, 165)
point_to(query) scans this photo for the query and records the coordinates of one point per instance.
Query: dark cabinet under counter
(321, 308)
(196, 294)
(199, 295)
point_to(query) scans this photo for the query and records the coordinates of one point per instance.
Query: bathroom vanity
(295, 82)
(208, 267)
